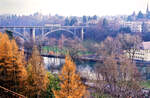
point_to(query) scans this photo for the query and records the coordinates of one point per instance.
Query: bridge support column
(33, 34)
(82, 34)
(74, 31)
(14, 29)
(42, 31)
(24, 30)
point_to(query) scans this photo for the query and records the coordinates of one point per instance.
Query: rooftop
(146, 45)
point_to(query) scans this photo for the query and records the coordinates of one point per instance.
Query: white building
(141, 54)
(146, 25)
(135, 26)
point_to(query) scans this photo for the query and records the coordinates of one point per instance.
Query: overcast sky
(73, 7)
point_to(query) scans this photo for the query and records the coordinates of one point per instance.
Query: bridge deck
(43, 26)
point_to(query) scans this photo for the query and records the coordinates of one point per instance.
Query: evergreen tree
(105, 23)
(37, 78)
(18, 60)
(9, 33)
(95, 17)
(84, 18)
(12, 70)
(67, 21)
(73, 21)
(53, 84)
(71, 85)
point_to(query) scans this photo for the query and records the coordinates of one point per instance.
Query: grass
(55, 49)
(146, 84)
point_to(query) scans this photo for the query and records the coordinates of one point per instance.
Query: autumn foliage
(12, 70)
(71, 85)
(37, 78)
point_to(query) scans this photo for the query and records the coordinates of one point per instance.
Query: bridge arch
(20, 34)
(69, 31)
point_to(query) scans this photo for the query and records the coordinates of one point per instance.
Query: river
(85, 68)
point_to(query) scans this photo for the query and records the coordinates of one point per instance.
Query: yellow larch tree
(0, 35)
(19, 65)
(12, 70)
(71, 85)
(37, 77)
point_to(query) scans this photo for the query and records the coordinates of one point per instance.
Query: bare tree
(109, 46)
(74, 47)
(116, 74)
(129, 43)
(120, 78)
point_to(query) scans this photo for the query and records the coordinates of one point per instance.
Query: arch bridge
(45, 30)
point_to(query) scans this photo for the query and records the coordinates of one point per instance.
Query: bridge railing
(6, 93)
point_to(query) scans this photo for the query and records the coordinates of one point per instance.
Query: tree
(123, 43)
(67, 21)
(71, 85)
(144, 28)
(105, 23)
(108, 47)
(106, 75)
(73, 21)
(95, 17)
(89, 18)
(9, 33)
(74, 47)
(19, 64)
(37, 78)
(12, 69)
(61, 41)
(116, 74)
(125, 30)
(90, 46)
(53, 84)
(84, 18)
(1, 35)
(129, 43)
(118, 78)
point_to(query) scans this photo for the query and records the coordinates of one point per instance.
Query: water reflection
(85, 68)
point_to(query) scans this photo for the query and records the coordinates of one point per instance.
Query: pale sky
(73, 7)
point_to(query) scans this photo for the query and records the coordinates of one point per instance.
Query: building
(92, 22)
(146, 26)
(138, 23)
(135, 26)
(141, 54)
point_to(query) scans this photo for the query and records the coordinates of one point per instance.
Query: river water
(85, 68)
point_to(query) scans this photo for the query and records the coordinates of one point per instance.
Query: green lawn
(55, 49)
(146, 84)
